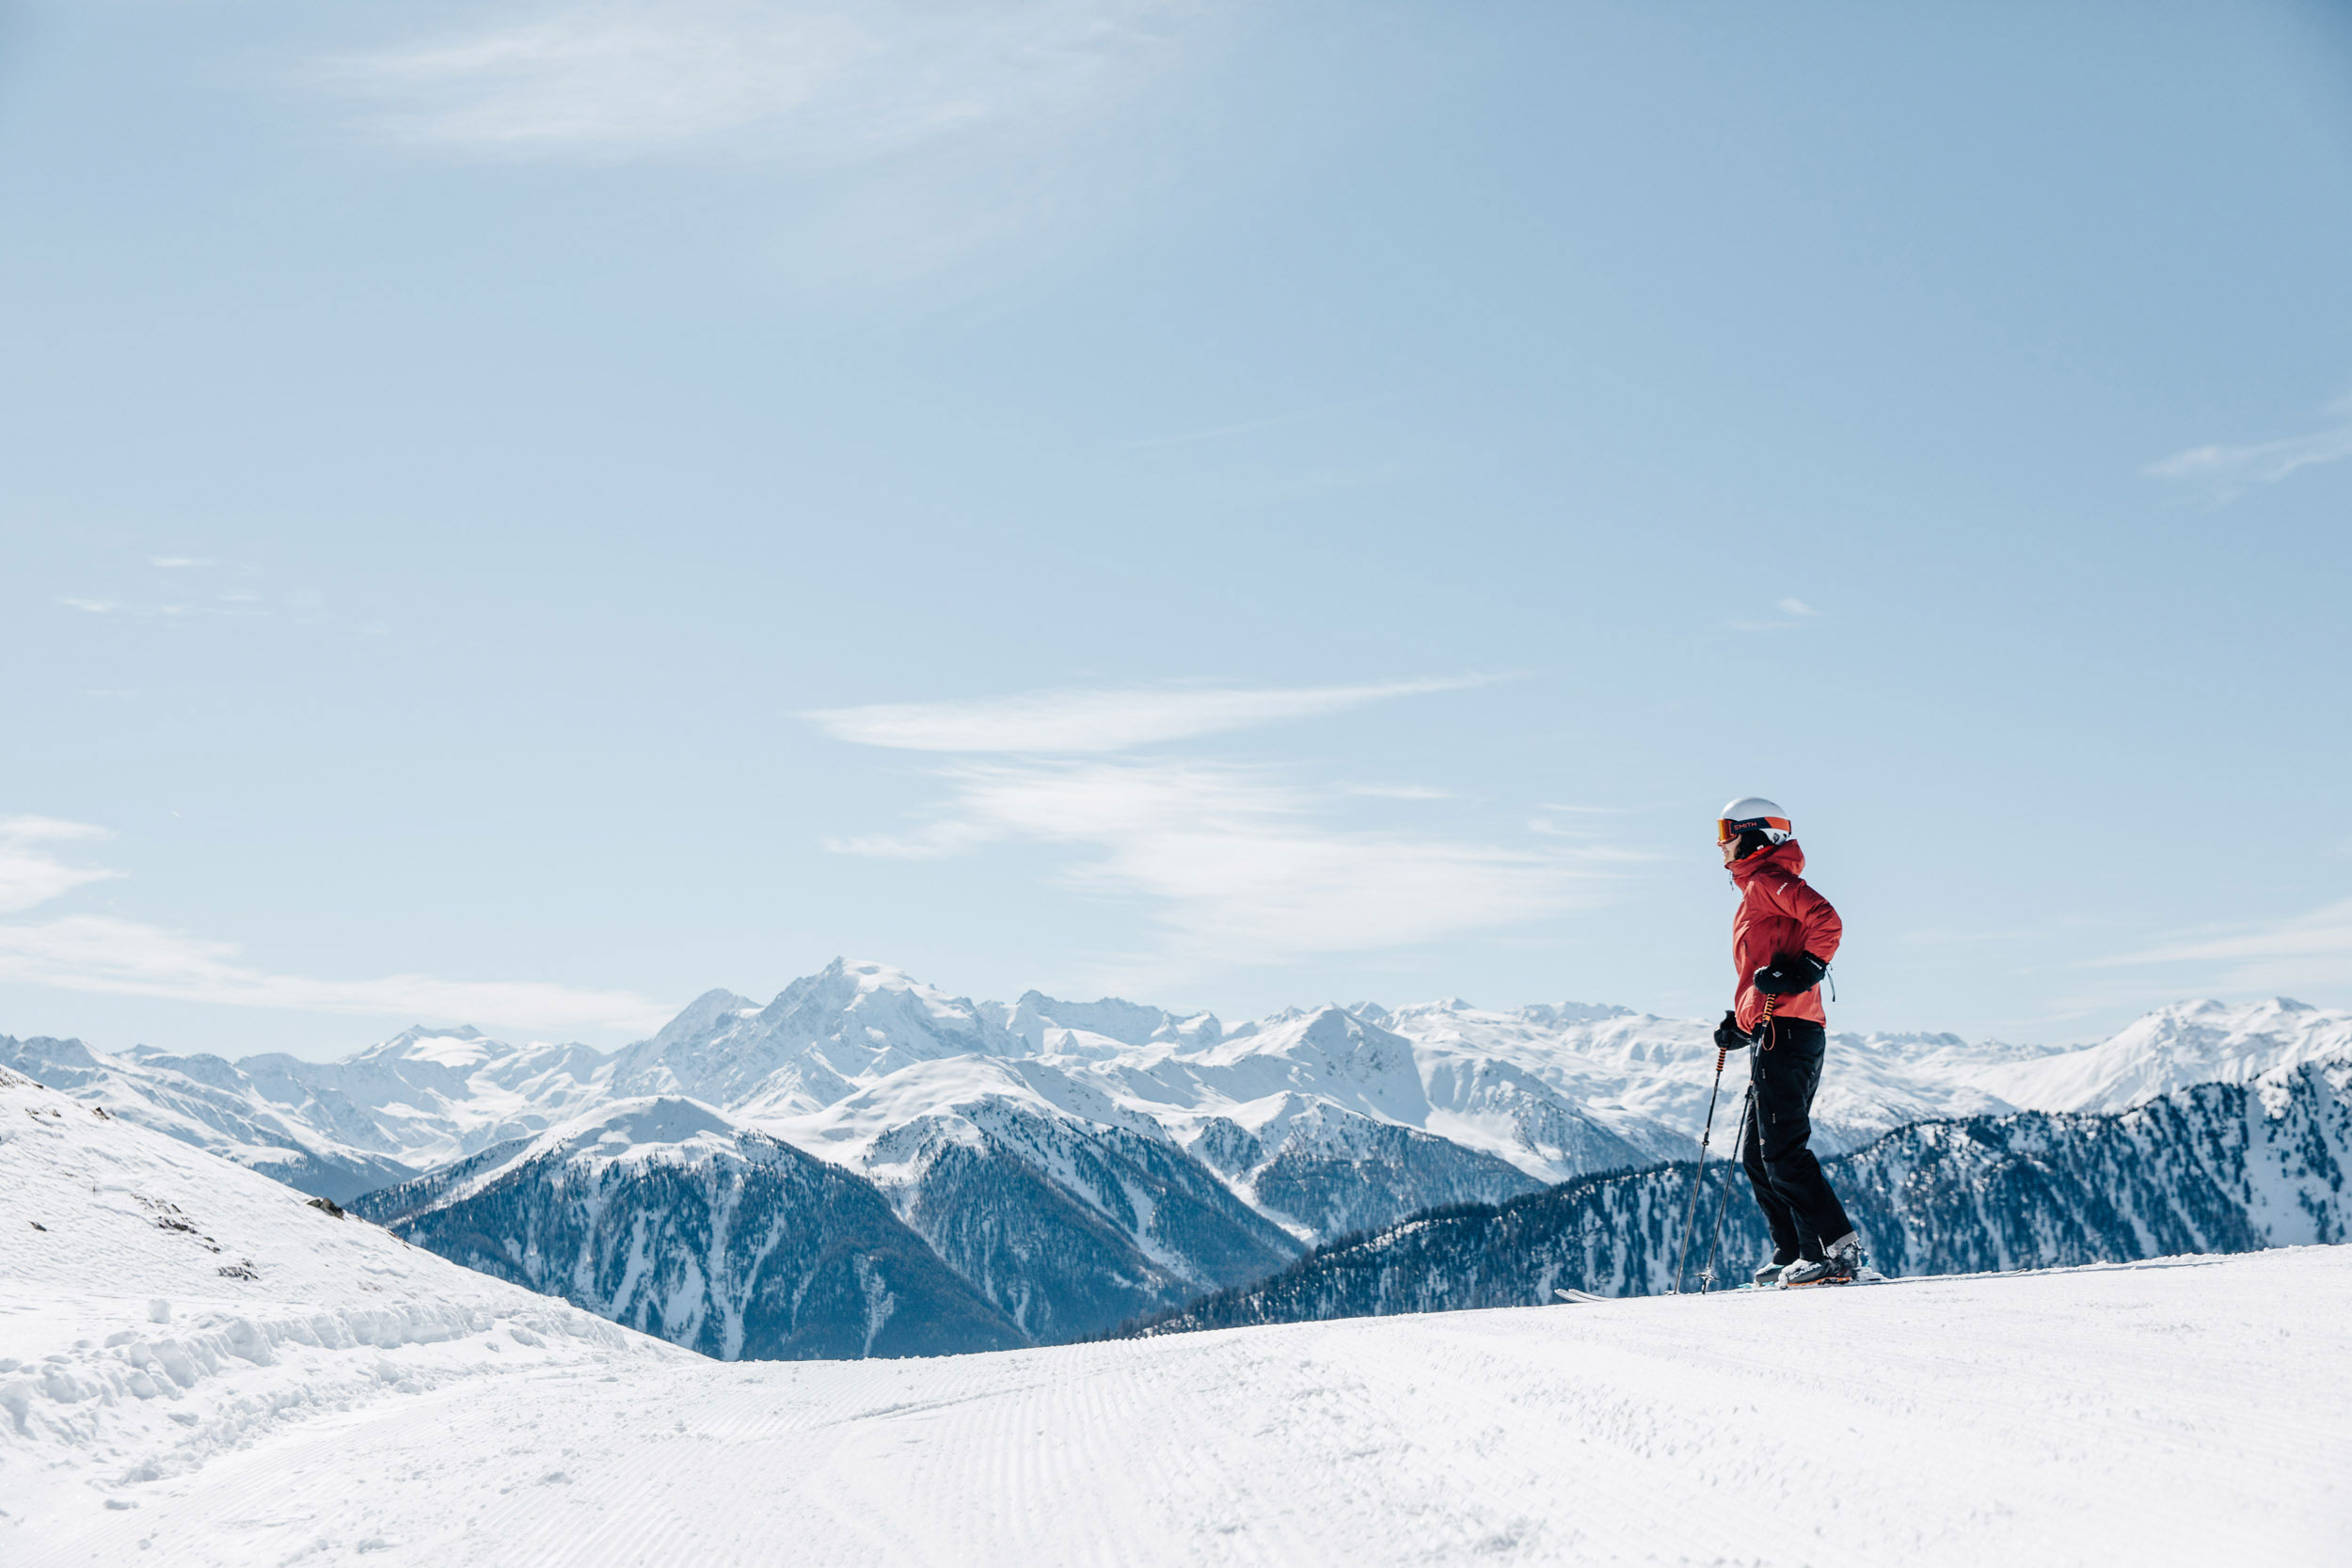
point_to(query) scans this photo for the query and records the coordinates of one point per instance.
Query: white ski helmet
(1753, 812)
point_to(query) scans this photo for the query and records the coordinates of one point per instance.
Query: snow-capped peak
(850, 1014)
(430, 1032)
(463, 1047)
(705, 1013)
(850, 1022)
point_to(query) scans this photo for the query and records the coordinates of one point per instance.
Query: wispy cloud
(917, 135)
(123, 958)
(2227, 471)
(1547, 828)
(190, 601)
(108, 956)
(2307, 950)
(1237, 865)
(1101, 721)
(1234, 865)
(30, 872)
(231, 607)
(1793, 612)
(822, 82)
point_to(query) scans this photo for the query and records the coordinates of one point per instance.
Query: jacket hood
(1787, 858)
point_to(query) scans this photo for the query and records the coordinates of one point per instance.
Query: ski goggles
(1726, 829)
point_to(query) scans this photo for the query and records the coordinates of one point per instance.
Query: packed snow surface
(345, 1397)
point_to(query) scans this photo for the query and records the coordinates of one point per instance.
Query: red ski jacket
(1779, 914)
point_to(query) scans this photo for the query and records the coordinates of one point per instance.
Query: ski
(1860, 1276)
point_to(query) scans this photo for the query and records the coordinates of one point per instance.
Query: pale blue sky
(523, 513)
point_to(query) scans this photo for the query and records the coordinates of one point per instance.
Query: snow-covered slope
(161, 1308)
(2189, 1042)
(206, 1103)
(1057, 1028)
(666, 1215)
(2190, 1412)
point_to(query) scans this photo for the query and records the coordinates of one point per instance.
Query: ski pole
(1683, 1253)
(1690, 1209)
(1739, 1141)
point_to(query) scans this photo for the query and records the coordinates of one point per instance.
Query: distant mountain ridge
(1078, 1165)
(207, 1101)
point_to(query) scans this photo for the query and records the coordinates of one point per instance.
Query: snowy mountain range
(334, 1129)
(1072, 1165)
(2217, 1168)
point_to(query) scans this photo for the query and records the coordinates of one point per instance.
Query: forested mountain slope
(2218, 1168)
(663, 1215)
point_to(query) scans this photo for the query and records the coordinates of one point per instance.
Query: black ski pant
(1804, 1214)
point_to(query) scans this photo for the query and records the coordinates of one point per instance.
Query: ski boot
(1840, 1265)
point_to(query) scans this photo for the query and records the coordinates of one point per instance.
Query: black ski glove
(1729, 1035)
(1790, 974)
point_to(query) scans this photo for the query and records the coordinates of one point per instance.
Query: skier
(1782, 940)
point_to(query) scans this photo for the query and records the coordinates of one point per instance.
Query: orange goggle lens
(1727, 829)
